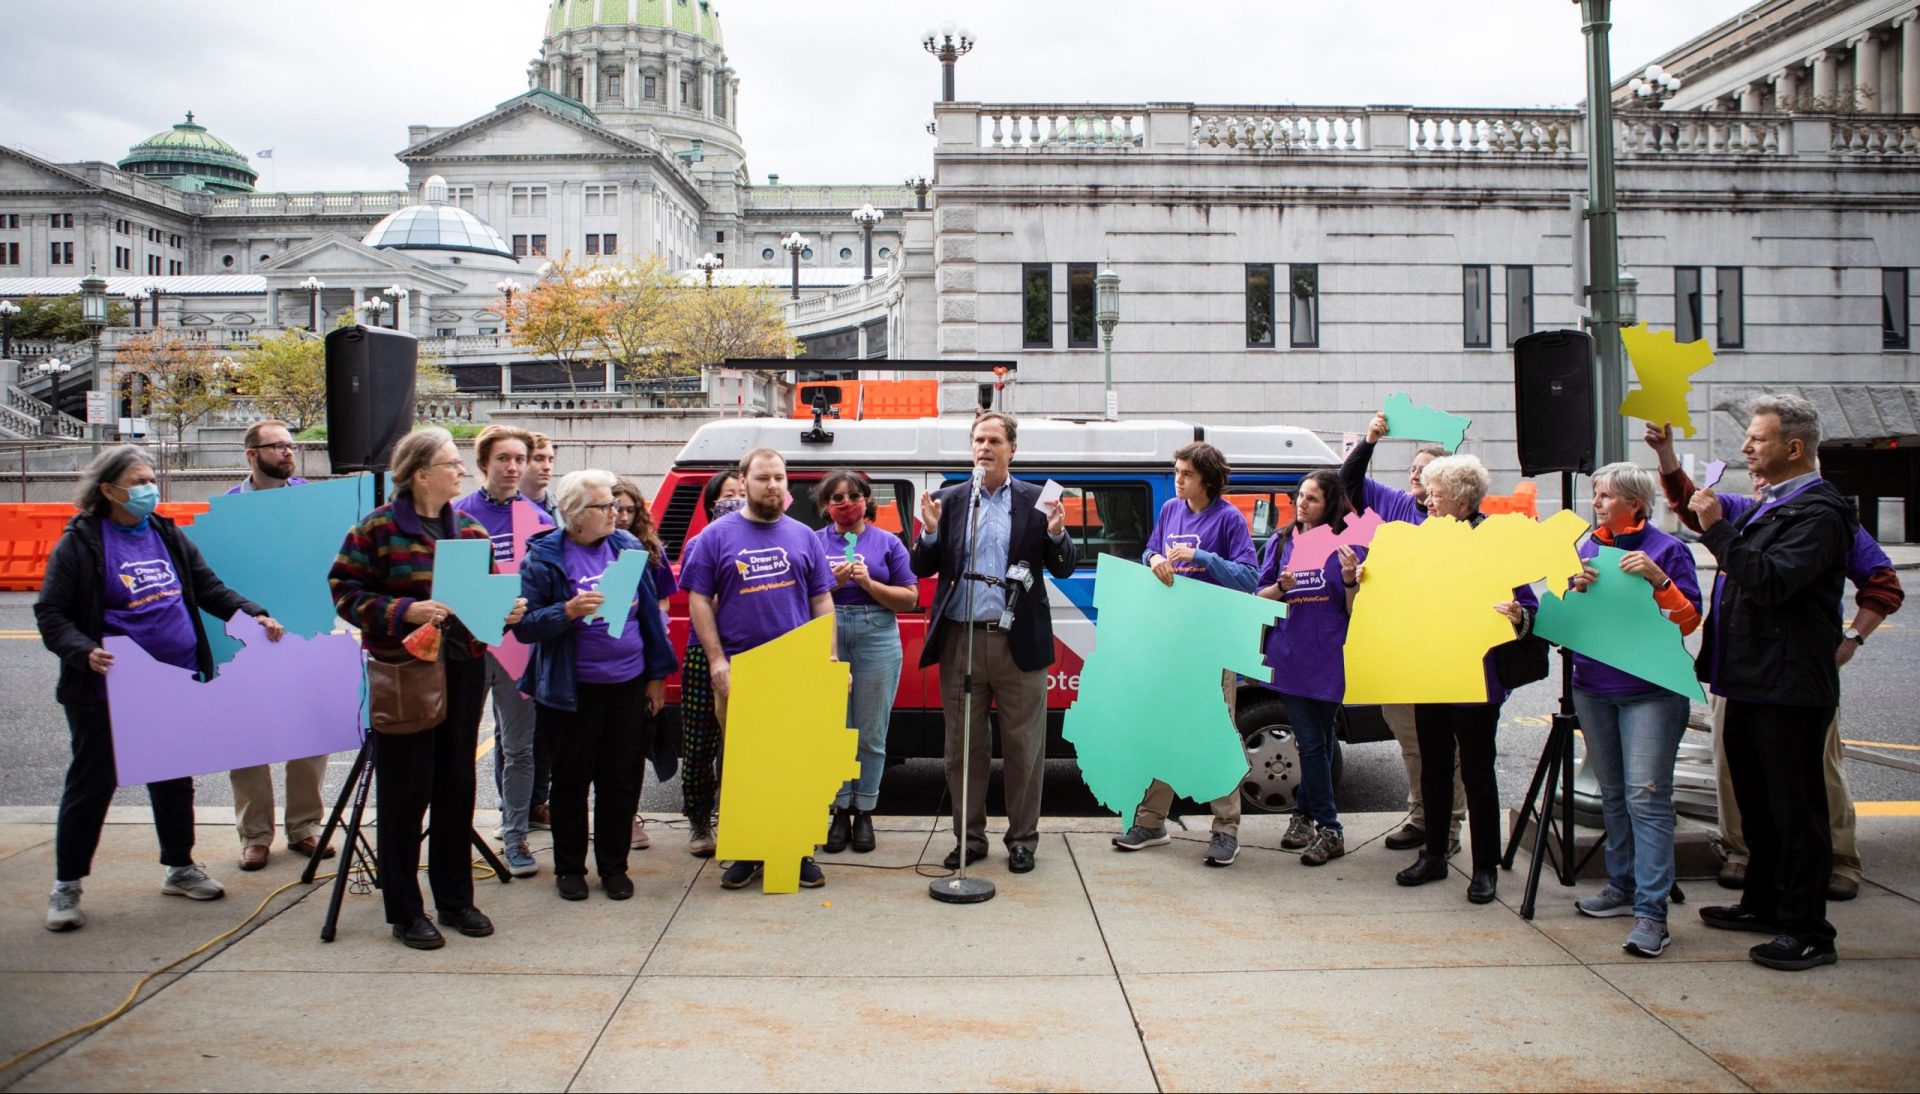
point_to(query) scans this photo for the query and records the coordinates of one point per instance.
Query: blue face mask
(141, 500)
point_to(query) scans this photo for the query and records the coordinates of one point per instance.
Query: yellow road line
(1887, 809)
(1881, 744)
(485, 746)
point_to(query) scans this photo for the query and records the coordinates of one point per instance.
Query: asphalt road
(1877, 706)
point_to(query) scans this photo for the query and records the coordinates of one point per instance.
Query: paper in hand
(1715, 469)
(1049, 496)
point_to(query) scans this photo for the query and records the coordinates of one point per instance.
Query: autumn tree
(286, 377)
(559, 317)
(181, 381)
(633, 303)
(702, 327)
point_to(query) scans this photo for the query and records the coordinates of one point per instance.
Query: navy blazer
(1031, 636)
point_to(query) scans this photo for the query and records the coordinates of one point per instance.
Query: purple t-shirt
(762, 577)
(144, 598)
(600, 657)
(1390, 504)
(1676, 561)
(498, 520)
(1218, 529)
(1304, 649)
(245, 486)
(882, 551)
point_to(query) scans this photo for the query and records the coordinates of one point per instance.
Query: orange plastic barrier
(1524, 499)
(28, 531)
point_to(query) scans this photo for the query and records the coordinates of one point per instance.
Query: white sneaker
(63, 911)
(191, 882)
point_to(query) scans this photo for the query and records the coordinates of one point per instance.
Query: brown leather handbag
(405, 695)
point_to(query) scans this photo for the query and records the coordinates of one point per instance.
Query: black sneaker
(839, 832)
(1736, 917)
(740, 874)
(571, 886)
(810, 875)
(1790, 954)
(617, 886)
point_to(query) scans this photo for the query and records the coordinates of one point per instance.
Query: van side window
(1268, 508)
(1108, 518)
(892, 500)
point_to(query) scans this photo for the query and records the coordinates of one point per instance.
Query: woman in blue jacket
(594, 692)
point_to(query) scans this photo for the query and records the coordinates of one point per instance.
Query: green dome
(188, 151)
(695, 17)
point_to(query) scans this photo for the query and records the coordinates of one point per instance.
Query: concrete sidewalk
(1097, 971)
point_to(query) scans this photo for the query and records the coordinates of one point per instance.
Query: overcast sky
(833, 91)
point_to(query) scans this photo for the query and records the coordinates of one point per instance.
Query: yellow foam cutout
(788, 749)
(1663, 368)
(1424, 617)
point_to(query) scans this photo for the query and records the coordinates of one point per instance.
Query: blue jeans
(513, 753)
(1631, 742)
(1312, 723)
(869, 640)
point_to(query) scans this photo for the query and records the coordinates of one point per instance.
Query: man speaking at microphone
(995, 591)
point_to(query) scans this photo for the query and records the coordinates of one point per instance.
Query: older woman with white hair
(1633, 727)
(595, 691)
(1456, 485)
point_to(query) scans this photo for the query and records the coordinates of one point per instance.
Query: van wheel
(1272, 784)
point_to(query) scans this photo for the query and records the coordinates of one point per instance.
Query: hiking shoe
(839, 832)
(1409, 836)
(1606, 904)
(740, 874)
(700, 841)
(639, 842)
(520, 861)
(1648, 938)
(191, 881)
(1327, 844)
(1790, 954)
(810, 875)
(1139, 837)
(540, 818)
(1299, 833)
(63, 911)
(1222, 850)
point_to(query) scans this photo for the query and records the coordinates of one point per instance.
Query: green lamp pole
(1603, 235)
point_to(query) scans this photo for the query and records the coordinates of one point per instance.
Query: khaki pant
(1153, 808)
(1840, 815)
(1399, 718)
(1022, 699)
(253, 801)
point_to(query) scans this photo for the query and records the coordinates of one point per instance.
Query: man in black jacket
(1768, 651)
(1011, 631)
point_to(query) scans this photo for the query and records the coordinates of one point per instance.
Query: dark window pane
(1686, 304)
(1730, 310)
(1260, 305)
(1036, 305)
(1476, 304)
(1519, 303)
(1894, 332)
(1080, 324)
(1304, 282)
(1108, 518)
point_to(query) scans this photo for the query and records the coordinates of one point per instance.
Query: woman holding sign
(873, 580)
(633, 518)
(1304, 652)
(122, 569)
(1633, 728)
(383, 584)
(595, 686)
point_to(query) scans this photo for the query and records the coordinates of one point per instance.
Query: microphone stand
(961, 889)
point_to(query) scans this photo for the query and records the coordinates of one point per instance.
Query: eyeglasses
(283, 446)
(461, 464)
(610, 508)
(839, 499)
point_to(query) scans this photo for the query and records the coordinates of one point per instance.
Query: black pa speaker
(370, 376)
(1553, 401)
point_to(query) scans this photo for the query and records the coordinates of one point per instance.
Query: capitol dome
(436, 226)
(192, 159)
(695, 17)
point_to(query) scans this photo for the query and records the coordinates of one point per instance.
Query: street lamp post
(156, 306)
(137, 297)
(795, 244)
(919, 184)
(507, 287)
(1654, 86)
(8, 309)
(313, 285)
(867, 217)
(1106, 312)
(55, 368)
(1603, 235)
(398, 295)
(707, 263)
(93, 315)
(949, 47)
(373, 306)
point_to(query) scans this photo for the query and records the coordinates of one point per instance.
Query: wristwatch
(1856, 637)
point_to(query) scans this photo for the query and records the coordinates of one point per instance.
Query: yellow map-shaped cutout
(788, 749)
(1424, 619)
(1664, 369)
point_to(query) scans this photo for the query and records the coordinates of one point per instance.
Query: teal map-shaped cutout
(463, 580)
(1411, 421)
(1617, 623)
(1150, 705)
(618, 585)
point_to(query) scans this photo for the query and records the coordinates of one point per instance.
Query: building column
(1866, 74)
(1826, 77)
(630, 80)
(1909, 26)
(590, 83)
(1786, 89)
(422, 324)
(357, 301)
(1749, 98)
(672, 96)
(273, 307)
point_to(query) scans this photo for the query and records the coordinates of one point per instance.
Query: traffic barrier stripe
(28, 531)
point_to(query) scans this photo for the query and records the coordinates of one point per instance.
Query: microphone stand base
(961, 890)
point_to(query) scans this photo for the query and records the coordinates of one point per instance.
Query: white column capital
(1906, 17)
(1823, 55)
(1777, 77)
(1864, 36)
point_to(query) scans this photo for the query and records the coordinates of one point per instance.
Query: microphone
(979, 477)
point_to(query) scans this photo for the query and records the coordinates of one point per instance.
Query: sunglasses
(840, 499)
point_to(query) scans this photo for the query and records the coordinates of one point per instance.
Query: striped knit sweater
(385, 564)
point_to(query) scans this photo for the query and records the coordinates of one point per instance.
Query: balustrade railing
(1314, 129)
(1508, 132)
(1089, 127)
(828, 197)
(1881, 136)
